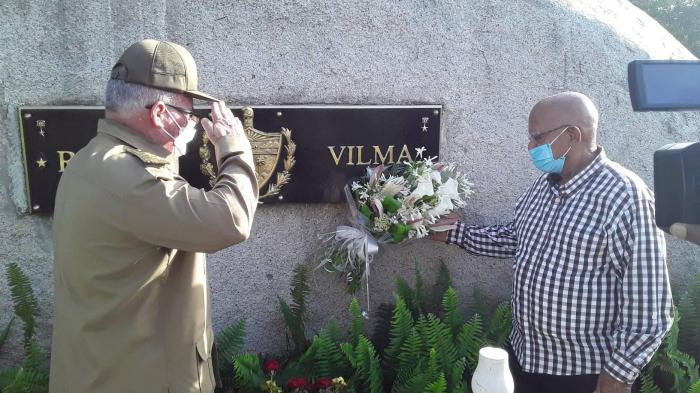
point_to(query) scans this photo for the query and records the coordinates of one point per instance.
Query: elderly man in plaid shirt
(591, 295)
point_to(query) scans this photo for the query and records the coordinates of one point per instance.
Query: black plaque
(320, 149)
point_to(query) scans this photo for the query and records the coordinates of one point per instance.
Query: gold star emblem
(41, 163)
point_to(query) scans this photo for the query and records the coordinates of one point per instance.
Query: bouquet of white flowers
(390, 205)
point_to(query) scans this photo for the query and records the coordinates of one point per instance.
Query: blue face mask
(543, 158)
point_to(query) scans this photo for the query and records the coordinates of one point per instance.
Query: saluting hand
(222, 122)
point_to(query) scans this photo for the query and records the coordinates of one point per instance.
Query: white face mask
(184, 137)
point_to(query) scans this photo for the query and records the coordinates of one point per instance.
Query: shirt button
(557, 200)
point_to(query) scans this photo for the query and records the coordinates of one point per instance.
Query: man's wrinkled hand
(448, 219)
(689, 232)
(222, 122)
(438, 236)
(608, 384)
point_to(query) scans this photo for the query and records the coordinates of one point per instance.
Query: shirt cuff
(620, 368)
(455, 236)
(229, 145)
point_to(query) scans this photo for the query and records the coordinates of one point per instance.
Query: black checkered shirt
(590, 284)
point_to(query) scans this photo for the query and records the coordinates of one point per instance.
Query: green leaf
(470, 341)
(648, 385)
(450, 306)
(439, 386)
(295, 314)
(364, 209)
(6, 332)
(695, 388)
(391, 204)
(25, 303)
(401, 327)
(248, 372)
(358, 321)
(408, 295)
(229, 343)
(399, 232)
(501, 325)
(442, 282)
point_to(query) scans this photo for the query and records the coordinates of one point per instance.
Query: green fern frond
(296, 328)
(248, 372)
(382, 326)
(442, 281)
(411, 352)
(421, 300)
(21, 380)
(401, 326)
(648, 385)
(368, 366)
(436, 336)
(25, 303)
(695, 388)
(358, 321)
(323, 358)
(450, 307)
(470, 340)
(426, 372)
(439, 386)
(34, 360)
(413, 382)
(6, 332)
(229, 342)
(407, 294)
(456, 375)
(299, 291)
(349, 351)
(501, 325)
(335, 332)
(689, 325)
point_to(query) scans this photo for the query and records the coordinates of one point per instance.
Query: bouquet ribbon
(361, 246)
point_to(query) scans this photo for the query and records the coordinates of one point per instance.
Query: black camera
(668, 85)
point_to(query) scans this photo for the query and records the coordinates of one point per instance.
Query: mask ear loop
(173, 119)
(571, 146)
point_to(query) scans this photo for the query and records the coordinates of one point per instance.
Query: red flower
(297, 383)
(323, 383)
(271, 366)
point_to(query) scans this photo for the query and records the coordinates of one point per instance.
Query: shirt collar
(134, 139)
(581, 178)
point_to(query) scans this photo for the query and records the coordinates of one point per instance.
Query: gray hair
(125, 97)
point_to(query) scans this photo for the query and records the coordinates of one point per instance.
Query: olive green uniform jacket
(132, 308)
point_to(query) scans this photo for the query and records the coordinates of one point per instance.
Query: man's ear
(575, 134)
(157, 114)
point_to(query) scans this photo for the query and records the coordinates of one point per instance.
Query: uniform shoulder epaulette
(146, 157)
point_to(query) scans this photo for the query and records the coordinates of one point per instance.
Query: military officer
(132, 307)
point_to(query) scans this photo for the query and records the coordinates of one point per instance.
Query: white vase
(492, 374)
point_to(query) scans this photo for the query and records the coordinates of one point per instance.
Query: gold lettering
(336, 158)
(359, 156)
(63, 158)
(350, 150)
(383, 158)
(405, 153)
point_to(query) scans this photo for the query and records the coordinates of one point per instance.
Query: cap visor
(201, 96)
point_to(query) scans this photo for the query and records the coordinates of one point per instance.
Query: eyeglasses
(187, 112)
(539, 138)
